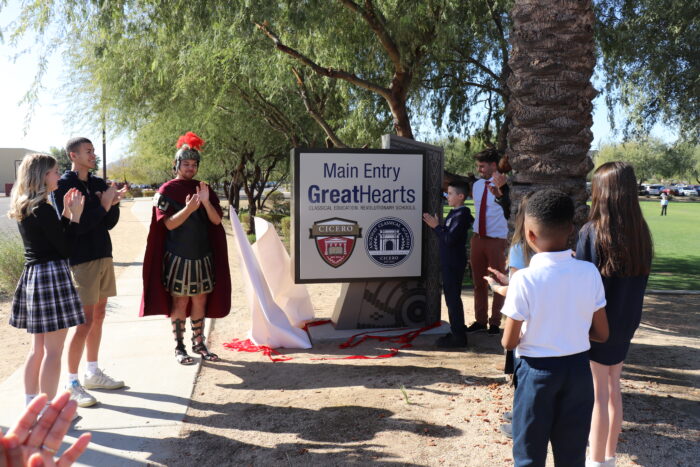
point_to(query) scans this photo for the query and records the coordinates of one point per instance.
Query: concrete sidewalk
(127, 425)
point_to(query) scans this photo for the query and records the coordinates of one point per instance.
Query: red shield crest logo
(335, 239)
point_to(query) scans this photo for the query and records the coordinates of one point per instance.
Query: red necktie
(482, 210)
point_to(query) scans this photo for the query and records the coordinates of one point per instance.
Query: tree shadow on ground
(672, 314)
(659, 422)
(205, 449)
(333, 424)
(675, 273)
(262, 375)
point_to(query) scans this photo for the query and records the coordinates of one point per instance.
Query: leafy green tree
(61, 156)
(650, 62)
(645, 156)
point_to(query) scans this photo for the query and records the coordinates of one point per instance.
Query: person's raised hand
(36, 437)
(192, 202)
(432, 221)
(67, 197)
(107, 197)
(76, 206)
(203, 192)
(497, 182)
(500, 277)
(119, 195)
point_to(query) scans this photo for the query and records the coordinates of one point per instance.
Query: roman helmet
(188, 146)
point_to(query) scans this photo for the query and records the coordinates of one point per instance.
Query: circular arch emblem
(389, 242)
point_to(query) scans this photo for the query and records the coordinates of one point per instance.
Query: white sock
(28, 398)
(92, 368)
(72, 377)
(610, 461)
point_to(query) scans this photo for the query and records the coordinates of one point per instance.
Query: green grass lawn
(676, 264)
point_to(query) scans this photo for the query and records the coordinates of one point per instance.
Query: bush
(251, 238)
(267, 216)
(276, 197)
(148, 193)
(135, 192)
(11, 261)
(286, 223)
(244, 217)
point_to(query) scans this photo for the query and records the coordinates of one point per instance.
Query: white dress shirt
(555, 296)
(496, 223)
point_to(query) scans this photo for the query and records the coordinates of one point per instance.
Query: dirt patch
(423, 407)
(124, 253)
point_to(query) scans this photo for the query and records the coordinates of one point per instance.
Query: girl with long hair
(617, 240)
(45, 302)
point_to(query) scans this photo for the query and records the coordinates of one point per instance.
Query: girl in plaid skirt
(45, 303)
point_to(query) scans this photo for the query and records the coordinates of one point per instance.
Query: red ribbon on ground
(247, 346)
(403, 339)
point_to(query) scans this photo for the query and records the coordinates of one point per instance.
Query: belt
(476, 234)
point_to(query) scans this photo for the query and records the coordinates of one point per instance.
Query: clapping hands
(203, 192)
(36, 437)
(192, 202)
(73, 204)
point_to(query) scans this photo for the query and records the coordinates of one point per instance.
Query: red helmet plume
(190, 139)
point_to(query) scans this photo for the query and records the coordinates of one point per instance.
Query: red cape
(155, 299)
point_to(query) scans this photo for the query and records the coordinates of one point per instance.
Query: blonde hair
(519, 230)
(29, 190)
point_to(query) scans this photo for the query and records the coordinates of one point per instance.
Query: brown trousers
(485, 252)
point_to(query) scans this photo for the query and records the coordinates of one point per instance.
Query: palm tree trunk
(552, 59)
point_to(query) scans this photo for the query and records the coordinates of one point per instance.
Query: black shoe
(507, 429)
(476, 327)
(449, 341)
(493, 330)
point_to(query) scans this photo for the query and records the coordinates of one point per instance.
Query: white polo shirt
(496, 223)
(555, 296)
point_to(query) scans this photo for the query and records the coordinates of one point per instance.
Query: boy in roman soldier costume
(185, 270)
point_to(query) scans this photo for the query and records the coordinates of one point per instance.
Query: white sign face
(357, 214)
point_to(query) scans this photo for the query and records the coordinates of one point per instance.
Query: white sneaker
(80, 395)
(100, 380)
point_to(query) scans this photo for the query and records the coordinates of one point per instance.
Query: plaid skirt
(187, 277)
(45, 299)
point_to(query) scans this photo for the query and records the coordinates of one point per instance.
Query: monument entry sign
(357, 214)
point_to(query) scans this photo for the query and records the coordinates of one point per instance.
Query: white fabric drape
(278, 306)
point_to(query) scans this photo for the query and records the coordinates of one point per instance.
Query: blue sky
(49, 127)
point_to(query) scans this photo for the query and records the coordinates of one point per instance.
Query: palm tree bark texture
(552, 59)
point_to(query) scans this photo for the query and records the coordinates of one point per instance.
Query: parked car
(655, 190)
(689, 190)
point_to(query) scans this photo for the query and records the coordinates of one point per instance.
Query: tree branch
(480, 66)
(377, 25)
(311, 109)
(323, 71)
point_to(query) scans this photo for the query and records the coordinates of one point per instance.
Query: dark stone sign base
(401, 303)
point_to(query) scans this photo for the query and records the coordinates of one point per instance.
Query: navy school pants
(452, 288)
(553, 402)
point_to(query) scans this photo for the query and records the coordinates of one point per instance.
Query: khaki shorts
(94, 280)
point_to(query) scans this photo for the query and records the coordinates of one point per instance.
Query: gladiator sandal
(198, 341)
(180, 349)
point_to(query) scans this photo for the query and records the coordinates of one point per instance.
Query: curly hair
(552, 209)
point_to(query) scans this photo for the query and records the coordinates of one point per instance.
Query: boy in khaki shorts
(93, 271)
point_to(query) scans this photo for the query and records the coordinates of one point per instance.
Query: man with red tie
(488, 244)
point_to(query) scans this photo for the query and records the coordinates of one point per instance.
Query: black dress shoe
(450, 341)
(493, 330)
